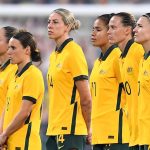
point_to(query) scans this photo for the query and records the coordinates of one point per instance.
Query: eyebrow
(52, 19)
(96, 27)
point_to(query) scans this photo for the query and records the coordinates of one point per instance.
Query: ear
(128, 30)
(68, 28)
(27, 50)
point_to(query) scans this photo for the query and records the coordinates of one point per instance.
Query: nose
(135, 30)
(108, 32)
(93, 32)
(93, 35)
(50, 24)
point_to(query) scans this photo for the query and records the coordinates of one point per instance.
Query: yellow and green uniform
(109, 122)
(144, 100)
(27, 85)
(129, 65)
(67, 65)
(7, 72)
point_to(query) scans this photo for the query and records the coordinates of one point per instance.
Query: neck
(22, 64)
(59, 41)
(123, 44)
(105, 47)
(3, 58)
(146, 46)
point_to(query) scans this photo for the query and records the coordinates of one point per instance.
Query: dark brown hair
(105, 18)
(9, 32)
(127, 20)
(147, 15)
(27, 39)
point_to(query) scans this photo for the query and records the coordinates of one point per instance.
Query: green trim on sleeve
(81, 77)
(29, 98)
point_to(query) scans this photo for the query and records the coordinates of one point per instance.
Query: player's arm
(4, 146)
(18, 121)
(86, 104)
(1, 121)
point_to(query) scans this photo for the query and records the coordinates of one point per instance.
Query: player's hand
(3, 139)
(3, 147)
(89, 137)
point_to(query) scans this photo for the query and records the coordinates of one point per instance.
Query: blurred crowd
(72, 1)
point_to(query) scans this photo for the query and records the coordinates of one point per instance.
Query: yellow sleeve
(32, 86)
(77, 64)
(117, 69)
(121, 91)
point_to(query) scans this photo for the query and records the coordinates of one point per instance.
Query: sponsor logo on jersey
(17, 86)
(146, 73)
(59, 66)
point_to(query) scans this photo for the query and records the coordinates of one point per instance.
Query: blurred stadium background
(32, 15)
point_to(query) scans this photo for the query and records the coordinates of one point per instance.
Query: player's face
(3, 42)
(116, 32)
(99, 35)
(56, 27)
(16, 52)
(142, 30)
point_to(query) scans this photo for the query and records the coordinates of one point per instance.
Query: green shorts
(144, 147)
(66, 142)
(111, 147)
(136, 147)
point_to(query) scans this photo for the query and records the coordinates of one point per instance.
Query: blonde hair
(68, 18)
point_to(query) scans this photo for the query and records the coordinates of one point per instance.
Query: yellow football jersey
(28, 85)
(109, 121)
(129, 64)
(67, 65)
(144, 100)
(7, 72)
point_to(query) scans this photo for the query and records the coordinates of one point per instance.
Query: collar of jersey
(125, 52)
(24, 69)
(106, 54)
(59, 49)
(3, 67)
(146, 55)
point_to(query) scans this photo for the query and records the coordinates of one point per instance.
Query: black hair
(105, 18)
(9, 32)
(147, 15)
(27, 39)
(127, 19)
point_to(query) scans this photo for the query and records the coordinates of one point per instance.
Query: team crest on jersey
(17, 86)
(102, 71)
(59, 65)
(129, 69)
(146, 73)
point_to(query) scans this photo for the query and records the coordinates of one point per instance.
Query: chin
(51, 37)
(94, 44)
(111, 42)
(136, 40)
(12, 62)
(139, 42)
